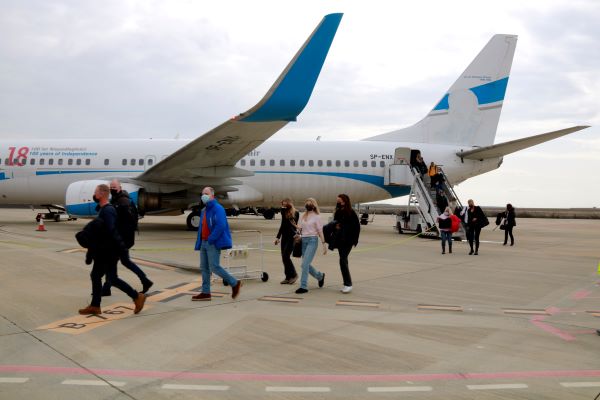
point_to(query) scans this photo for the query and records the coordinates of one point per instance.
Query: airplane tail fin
(468, 113)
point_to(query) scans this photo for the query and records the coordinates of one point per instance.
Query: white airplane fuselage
(320, 169)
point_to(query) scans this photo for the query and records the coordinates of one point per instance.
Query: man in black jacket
(106, 251)
(127, 217)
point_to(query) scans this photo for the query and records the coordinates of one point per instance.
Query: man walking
(127, 221)
(105, 254)
(213, 236)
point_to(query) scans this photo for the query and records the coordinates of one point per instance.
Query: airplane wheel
(269, 214)
(57, 217)
(193, 221)
(264, 276)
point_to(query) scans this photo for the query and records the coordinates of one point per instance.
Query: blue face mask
(205, 198)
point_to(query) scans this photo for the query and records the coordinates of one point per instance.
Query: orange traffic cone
(41, 227)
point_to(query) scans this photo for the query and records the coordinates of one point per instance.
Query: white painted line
(394, 389)
(580, 384)
(298, 389)
(498, 386)
(13, 380)
(195, 387)
(92, 382)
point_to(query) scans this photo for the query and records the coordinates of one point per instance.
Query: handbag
(297, 249)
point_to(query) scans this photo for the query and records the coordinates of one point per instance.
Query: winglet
(288, 96)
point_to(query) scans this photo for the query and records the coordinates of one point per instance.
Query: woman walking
(475, 219)
(311, 228)
(287, 230)
(445, 226)
(509, 224)
(347, 232)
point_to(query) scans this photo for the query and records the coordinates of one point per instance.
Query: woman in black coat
(509, 223)
(475, 219)
(346, 236)
(287, 230)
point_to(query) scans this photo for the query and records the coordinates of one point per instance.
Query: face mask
(338, 206)
(205, 198)
(283, 209)
(309, 207)
(114, 192)
(446, 213)
(96, 200)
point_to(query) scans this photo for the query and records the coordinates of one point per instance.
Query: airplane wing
(214, 153)
(502, 149)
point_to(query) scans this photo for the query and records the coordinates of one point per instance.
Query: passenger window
(252, 162)
(141, 161)
(272, 163)
(338, 163)
(87, 161)
(346, 163)
(150, 161)
(373, 164)
(329, 163)
(32, 161)
(282, 163)
(78, 162)
(6, 162)
(70, 161)
(302, 163)
(124, 162)
(132, 161)
(243, 163)
(311, 163)
(382, 164)
(105, 161)
(262, 163)
(51, 161)
(60, 161)
(292, 163)
(364, 164)
(42, 161)
(355, 163)
(320, 163)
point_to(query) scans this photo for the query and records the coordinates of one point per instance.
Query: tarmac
(513, 322)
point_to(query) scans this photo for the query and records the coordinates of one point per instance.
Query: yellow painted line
(356, 303)
(439, 307)
(594, 313)
(79, 324)
(524, 311)
(281, 299)
(71, 251)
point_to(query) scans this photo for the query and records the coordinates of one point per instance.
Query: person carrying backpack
(127, 225)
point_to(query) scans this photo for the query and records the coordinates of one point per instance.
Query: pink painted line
(581, 294)
(537, 321)
(297, 378)
(552, 310)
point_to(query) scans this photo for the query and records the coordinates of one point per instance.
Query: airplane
(246, 170)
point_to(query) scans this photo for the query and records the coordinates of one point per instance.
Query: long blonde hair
(312, 202)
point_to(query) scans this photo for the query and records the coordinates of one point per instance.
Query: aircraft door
(149, 162)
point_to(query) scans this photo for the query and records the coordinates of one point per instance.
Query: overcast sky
(87, 69)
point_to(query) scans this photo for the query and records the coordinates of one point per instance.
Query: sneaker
(146, 286)
(236, 289)
(301, 290)
(292, 280)
(90, 310)
(202, 297)
(322, 280)
(139, 303)
(346, 289)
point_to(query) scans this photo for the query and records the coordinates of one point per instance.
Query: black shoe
(443, 252)
(450, 251)
(504, 244)
(322, 281)
(106, 293)
(476, 254)
(512, 244)
(147, 285)
(471, 252)
(301, 290)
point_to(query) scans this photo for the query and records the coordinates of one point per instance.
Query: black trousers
(133, 267)
(473, 236)
(287, 246)
(344, 251)
(508, 231)
(106, 264)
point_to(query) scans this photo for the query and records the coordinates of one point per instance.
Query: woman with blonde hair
(287, 230)
(311, 229)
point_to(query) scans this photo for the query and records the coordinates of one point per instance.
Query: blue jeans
(309, 248)
(210, 263)
(446, 236)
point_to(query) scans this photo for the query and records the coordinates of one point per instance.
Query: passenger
(509, 223)
(475, 219)
(311, 228)
(287, 230)
(441, 200)
(432, 172)
(445, 225)
(127, 222)
(347, 233)
(213, 236)
(105, 255)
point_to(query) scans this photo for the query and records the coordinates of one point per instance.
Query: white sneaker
(346, 289)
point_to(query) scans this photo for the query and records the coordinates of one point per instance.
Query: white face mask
(205, 198)
(446, 213)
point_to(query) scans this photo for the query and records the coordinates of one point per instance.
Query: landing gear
(55, 213)
(268, 213)
(193, 220)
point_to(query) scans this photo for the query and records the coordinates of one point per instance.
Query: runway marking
(79, 324)
(524, 311)
(499, 386)
(439, 307)
(298, 389)
(281, 299)
(581, 294)
(580, 384)
(13, 380)
(594, 313)
(397, 389)
(194, 387)
(538, 321)
(92, 382)
(71, 251)
(356, 303)
(183, 288)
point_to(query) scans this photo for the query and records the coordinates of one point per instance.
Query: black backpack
(127, 219)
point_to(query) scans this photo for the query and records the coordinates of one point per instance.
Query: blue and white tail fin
(469, 111)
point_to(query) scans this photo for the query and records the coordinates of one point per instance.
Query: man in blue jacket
(213, 236)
